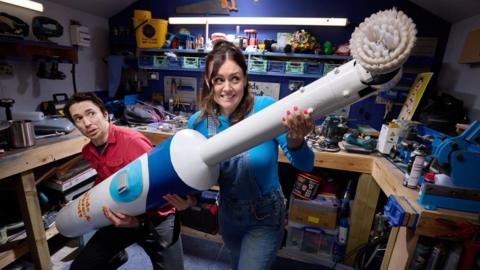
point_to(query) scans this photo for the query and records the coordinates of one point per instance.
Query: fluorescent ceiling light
(260, 21)
(26, 4)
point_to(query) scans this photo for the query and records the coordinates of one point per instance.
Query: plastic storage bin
(201, 62)
(174, 62)
(145, 61)
(294, 67)
(329, 67)
(159, 61)
(276, 66)
(311, 240)
(294, 237)
(257, 65)
(189, 62)
(314, 68)
(318, 241)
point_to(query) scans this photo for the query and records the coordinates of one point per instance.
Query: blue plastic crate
(145, 61)
(276, 66)
(174, 62)
(201, 62)
(160, 61)
(294, 67)
(313, 68)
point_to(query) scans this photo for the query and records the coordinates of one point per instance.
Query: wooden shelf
(9, 256)
(29, 50)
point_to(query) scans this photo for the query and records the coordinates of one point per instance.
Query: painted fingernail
(295, 108)
(288, 112)
(305, 111)
(283, 119)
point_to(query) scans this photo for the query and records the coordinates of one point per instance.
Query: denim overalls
(251, 224)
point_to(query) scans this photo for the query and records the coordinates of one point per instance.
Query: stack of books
(71, 179)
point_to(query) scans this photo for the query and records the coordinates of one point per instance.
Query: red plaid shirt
(123, 146)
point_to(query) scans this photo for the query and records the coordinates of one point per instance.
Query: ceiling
(449, 10)
(102, 8)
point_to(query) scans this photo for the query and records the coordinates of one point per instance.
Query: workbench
(377, 175)
(19, 165)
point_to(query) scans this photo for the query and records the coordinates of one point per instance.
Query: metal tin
(22, 133)
(306, 186)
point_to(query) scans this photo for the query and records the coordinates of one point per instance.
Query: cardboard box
(320, 213)
(388, 137)
(471, 49)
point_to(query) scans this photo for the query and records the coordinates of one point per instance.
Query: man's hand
(120, 220)
(179, 202)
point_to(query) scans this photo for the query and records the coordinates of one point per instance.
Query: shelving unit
(8, 256)
(147, 59)
(29, 50)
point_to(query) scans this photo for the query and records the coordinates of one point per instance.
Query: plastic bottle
(343, 231)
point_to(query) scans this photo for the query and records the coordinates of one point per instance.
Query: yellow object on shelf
(149, 33)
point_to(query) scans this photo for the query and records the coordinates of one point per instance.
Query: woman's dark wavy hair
(83, 96)
(222, 51)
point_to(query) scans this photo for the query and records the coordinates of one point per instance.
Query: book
(75, 192)
(66, 184)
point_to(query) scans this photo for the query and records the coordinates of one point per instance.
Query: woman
(252, 209)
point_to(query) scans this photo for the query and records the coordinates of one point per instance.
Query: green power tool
(45, 27)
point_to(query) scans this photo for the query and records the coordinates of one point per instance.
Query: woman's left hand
(298, 124)
(180, 203)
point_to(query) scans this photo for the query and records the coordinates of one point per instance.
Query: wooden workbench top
(43, 152)
(386, 175)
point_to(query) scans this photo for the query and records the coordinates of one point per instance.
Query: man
(110, 149)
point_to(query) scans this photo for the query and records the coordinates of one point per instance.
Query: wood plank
(9, 256)
(31, 213)
(405, 245)
(21, 249)
(339, 161)
(392, 238)
(201, 235)
(428, 224)
(362, 214)
(155, 136)
(44, 152)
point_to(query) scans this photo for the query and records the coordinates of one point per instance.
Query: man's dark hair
(79, 97)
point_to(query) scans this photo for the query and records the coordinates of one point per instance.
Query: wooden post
(32, 216)
(361, 215)
(402, 242)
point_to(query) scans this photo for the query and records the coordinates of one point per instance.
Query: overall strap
(212, 129)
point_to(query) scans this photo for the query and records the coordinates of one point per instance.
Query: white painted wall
(461, 80)
(91, 72)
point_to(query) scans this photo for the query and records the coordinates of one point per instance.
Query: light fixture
(26, 4)
(260, 21)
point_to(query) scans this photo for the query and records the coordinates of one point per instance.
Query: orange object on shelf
(251, 37)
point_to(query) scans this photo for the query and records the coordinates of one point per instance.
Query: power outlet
(153, 76)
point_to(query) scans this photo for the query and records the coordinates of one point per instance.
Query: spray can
(417, 168)
(414, 168)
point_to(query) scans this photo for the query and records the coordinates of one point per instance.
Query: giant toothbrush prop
(188, 162)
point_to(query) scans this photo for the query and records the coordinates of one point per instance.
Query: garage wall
(461, 80)
(28, 90)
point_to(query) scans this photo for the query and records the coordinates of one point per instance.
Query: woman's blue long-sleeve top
(264, 157)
